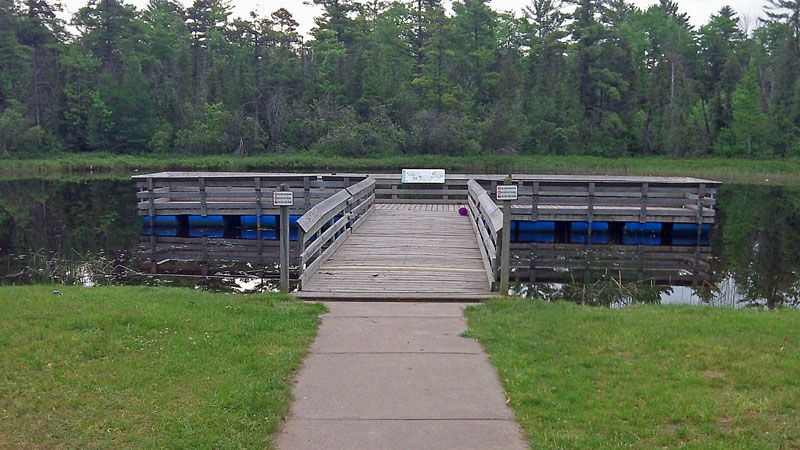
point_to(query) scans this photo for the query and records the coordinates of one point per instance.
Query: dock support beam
(284, 243)
(505, 255)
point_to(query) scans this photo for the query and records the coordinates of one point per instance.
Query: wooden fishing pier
(373, 237)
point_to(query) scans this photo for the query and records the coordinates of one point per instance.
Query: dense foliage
(598, 77)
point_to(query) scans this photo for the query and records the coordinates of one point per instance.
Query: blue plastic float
(266, 221)
(641, 239)
(207, 221)
(534, 227)
(160, 221)
(689, 228)
(583, 227)
(643, 228)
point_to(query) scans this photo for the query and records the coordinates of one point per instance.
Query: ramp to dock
(405, 252)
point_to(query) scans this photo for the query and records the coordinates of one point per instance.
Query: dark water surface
(86, 231)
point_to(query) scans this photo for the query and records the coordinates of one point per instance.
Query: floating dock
(370, 236)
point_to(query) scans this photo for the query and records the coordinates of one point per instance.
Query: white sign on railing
(423, 176)
(283, 198)
(506, 192)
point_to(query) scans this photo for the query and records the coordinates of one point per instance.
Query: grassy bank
(647, 377)
(140, 367)
(775, 171)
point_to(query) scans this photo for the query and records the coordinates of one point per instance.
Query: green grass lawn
(146, 367)
(647, 377)
(782, 171)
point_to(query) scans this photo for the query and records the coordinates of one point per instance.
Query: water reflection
(608, 274)
(85, 231)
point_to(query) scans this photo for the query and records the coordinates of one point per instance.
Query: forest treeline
(596, 77)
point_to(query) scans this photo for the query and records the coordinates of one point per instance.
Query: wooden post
(301, 246)
(259, 209)
(505, 258)
(643, 210)
(257, 187)
(284, 243)
(306, 194)
(701, 194)
(151, 210)
(203, 207)
(590, 212)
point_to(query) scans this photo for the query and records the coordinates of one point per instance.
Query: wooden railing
(328, 224)
(218, 193)
(621, 201)
(389, 189)
(487, 222)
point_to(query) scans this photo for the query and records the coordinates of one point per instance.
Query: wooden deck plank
(405, 251)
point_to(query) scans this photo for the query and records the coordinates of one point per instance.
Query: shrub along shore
(783, 171)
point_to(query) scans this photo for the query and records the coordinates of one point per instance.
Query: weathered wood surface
(542, 197)
(232, 193)
(404, 252)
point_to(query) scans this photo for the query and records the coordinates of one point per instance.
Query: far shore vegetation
(145, 367)
(771, 171)
(646, 376)
(401, 77)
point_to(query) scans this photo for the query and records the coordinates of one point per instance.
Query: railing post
(301, 248)
(151, 211)
(505, 259)
(203, 197)
(701, 194)
(259, 243)
(284, 243)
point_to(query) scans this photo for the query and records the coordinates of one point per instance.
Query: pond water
(85, 230)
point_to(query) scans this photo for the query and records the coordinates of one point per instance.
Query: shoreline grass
(144, 367)
(785, 171)
(646, 376)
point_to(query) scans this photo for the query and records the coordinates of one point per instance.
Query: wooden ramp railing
(327, 225)
(487, 222)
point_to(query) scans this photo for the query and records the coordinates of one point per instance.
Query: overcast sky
(699, 10)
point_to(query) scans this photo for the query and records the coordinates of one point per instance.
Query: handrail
(317, 216)
(488, 207)
(487, 222)
(328, 224)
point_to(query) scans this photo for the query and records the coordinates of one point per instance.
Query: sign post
(506, 192)
(284, 198)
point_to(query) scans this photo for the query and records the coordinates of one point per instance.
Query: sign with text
(283, 198)
(423, 176)
(506, 192)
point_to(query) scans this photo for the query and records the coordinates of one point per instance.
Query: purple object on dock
(463, 211)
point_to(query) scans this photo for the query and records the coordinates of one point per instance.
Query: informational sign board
(423, 176)
(506, 192)
(283, 198)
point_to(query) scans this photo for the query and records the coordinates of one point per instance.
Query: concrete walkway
(398, 376)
